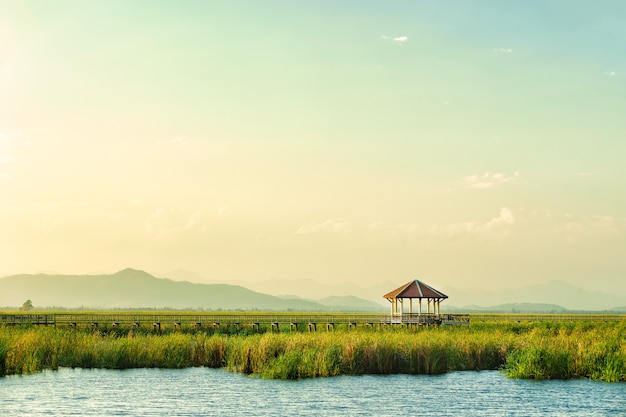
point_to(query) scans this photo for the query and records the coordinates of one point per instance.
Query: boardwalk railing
(477, 317)
(293, 320)
(216, 320)
(427, 319)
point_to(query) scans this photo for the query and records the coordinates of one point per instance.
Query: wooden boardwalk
(295, 321)
(277, 321)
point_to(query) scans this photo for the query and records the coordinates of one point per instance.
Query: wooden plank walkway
(301, 321)
(292, 321)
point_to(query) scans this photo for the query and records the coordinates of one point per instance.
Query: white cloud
(116, 216)
(179, 140)
(397, 39)
(610, 73)
(503, 50)
(494, 226)
(488, 180)
(176, 141)
(585, 227)
(380, 226)
(166, 222)
(506, 217)
(587, 174)
(12, 140)
(10, 143)
(223, 211)
(330, 225)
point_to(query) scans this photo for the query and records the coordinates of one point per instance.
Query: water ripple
(208, 392)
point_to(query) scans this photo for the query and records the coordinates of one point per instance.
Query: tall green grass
(544, 350)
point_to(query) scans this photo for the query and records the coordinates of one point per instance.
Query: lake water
(212, 392)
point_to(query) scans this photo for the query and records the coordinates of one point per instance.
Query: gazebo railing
(426, 318)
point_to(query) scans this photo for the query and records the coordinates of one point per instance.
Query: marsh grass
(545, 350)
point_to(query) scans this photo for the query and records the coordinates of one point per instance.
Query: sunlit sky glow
(466, 143)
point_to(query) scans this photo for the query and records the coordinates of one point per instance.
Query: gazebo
(415, 290)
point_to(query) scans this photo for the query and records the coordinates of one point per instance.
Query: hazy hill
(522, 308)
(132, 288)
(350, 303)
(554, 292)
(302, 288)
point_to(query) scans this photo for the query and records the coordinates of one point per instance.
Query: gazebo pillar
(411, 290)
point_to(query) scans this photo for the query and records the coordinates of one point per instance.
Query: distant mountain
(183, 275)
(132, 288)
(554, 292)
(350, 303)
(297, 288)
(312, 289)
(523, 308)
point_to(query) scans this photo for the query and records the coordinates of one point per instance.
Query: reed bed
(544, 350)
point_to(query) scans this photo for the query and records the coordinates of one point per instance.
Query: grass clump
(555, 350)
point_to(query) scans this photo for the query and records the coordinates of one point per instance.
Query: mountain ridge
(132, 288)
(556, 292)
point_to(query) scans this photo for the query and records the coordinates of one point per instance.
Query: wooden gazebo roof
(415, 289)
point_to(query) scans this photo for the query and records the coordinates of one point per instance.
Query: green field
(537, 350)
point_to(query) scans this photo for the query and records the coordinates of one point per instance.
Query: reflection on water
(207, 392)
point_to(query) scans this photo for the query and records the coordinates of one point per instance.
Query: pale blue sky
(462, 142)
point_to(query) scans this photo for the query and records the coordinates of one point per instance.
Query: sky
(468, 144)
